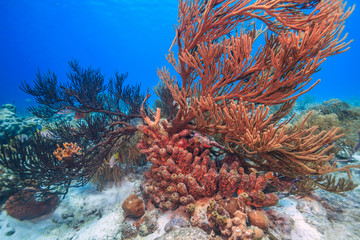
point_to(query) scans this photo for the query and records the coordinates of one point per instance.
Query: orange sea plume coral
(69, 150)
(227, 85)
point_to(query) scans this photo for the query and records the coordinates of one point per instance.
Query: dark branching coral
(166, 102)
(32, 164)
(42, 111)
(86, 92)
(109, 109)
(86, 132)
(129, 94)
(123, 158)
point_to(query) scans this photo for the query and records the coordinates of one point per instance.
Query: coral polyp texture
(181, 168)
(182, 171)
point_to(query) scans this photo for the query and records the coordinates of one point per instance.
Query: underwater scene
(179, 120)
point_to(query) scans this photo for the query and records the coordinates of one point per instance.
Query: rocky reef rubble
(88, 214)
(12, 125)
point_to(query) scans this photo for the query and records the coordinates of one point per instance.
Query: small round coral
(258, 219)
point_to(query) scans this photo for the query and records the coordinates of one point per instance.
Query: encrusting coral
(133, 206)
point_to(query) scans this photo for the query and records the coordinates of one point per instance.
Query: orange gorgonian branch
(228, 81)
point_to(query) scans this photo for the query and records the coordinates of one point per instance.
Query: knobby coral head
(182, 171)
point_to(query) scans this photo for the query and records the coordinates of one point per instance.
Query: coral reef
(236, 228)
(9, 123)
(124, 158)
(342, 109)
(226, 92)
(181, 169)
(220, 155)
(306, 185)
(148, 223)
(183, 172)
(103, 113)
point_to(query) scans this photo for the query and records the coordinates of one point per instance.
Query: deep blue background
(125, 35)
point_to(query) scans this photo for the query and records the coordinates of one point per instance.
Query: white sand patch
(301, 230)
(89, 214)
(164, 218)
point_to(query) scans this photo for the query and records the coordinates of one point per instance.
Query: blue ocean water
(125, 35)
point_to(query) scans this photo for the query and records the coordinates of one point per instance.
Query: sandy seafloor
(87, 214)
